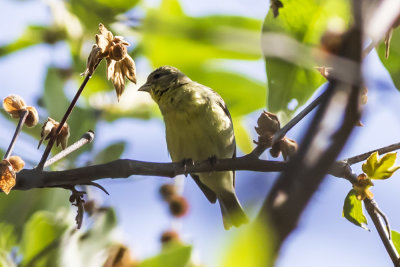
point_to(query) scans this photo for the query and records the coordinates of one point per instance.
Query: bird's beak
(145, 88)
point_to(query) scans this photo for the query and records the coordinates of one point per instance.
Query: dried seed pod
(14, 105)
(119, 64)
(288, 148)
(7, 176)
(178, 206)
(33, 117)
(17, 163)
(167, 191)
(169, 236)
(63, 136)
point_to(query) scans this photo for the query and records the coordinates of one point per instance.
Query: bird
(198, 126)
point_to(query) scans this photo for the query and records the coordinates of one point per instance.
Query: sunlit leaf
(112, 152)
(396, 240)
(380, 168)
(251, 246)
(305, 21)
(352, 210)
(175, 255)
(243, 138)
(42, 231)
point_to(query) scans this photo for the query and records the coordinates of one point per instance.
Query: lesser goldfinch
(198, 127)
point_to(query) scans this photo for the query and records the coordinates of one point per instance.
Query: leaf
(173, 38)
(8, 238)
(396, 240)
(305, 21)
(112, 152)
(352, 210)
(243, 139)
(175, 255)
(242, 95)
(42, 231)
(382, 168)
(392, 64)
(33, 35)
(251, 246)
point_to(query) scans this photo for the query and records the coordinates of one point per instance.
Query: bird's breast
(198, 131)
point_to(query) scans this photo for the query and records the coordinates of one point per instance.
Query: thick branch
(122, 168)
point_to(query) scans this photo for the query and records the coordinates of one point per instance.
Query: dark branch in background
(62, 122)
(21, 122)
(320, 147)
(86, 138)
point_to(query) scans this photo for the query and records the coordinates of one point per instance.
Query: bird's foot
(185, 163)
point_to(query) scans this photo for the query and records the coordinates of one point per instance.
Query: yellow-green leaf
(380, 168)
(396, 240)
(352, 210)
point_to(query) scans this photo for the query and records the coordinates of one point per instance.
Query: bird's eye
(157, 76)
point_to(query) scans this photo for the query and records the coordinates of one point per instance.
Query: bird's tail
(232, 211)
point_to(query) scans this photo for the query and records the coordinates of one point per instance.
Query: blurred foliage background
(37, 227)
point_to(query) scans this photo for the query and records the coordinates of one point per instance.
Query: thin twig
(86, 138)
(20, 124)
(61, 124)
(370, 206)
(282, 132)
(365, 155)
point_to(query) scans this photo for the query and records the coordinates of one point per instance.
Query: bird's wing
(222, 104)
(211, 196)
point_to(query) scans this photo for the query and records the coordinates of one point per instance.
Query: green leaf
(175, 255)
(305, 21)
(33, 35)
(396, 240)
(242, 136)
(392, 64)
(112, 152)
(242, 95)
(251, 246)
(42, 232)
(8, 238)
(91, 13)
(380, 168)
(172, 38)
(352, 210)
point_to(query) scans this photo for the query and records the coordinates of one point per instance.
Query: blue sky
(323, 238)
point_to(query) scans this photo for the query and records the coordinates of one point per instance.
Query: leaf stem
(20, 124)
(282, 132)
(63, 120)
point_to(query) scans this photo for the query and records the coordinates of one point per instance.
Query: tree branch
(123, 168)
(365, 155)
(381, 228)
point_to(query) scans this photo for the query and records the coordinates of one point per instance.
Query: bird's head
(163, 79)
